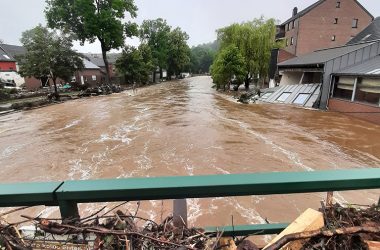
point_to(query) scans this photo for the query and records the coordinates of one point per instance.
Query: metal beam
(243, 230)
(28, 194)
(180, 187)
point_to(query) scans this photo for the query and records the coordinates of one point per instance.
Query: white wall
(11, 75)
(290, 78)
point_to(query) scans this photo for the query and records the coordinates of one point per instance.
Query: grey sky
(199, 18)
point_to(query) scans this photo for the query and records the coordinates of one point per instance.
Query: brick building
(325, 24)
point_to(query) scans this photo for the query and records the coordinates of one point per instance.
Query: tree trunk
(104, 53)
(161, 73)
(246, 82)
(56, 94)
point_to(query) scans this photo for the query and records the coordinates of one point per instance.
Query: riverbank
(41, 100)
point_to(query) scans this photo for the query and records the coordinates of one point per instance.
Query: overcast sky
(199, 18)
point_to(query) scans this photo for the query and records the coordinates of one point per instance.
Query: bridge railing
(68, 194)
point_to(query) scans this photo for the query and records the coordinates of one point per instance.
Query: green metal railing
(68, 194)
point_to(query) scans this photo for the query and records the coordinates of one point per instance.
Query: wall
(6, 66)
(289, 78)
(293, 32)
(358, 110)
(284, 55)
(87, 74)
(316, 28)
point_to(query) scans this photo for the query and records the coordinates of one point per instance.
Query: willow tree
(229, 64)
(92, 20)
(255, 40)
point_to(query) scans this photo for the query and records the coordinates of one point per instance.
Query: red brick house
(325, 24)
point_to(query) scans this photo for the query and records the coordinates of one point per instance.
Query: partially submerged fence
(68, 194)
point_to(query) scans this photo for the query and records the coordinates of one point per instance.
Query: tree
(228, 64)
(178, 52)
(135, 64)
(255, 40)
(155, 33)
(202, 57)
(48, 56)
(94, 19)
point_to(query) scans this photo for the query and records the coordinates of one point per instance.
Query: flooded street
(186, 128)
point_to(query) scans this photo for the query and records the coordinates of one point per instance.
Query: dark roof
(4, 57)
(314, 5)
(370, 33)
(322, 56)
(13, 50)
(368, 68)
(303, 12)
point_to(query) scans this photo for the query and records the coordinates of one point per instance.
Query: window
(301, 99)
(288, 27)
(355, 23)
(287, 42)
(291, 41)
(266, 95)
(368, 91)
(335, 20)
(338, 4)
(94, 77)
(283, 97)
(293, 24)
(344, 87)
(333, 38)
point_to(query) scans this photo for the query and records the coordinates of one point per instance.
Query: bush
(4, 95)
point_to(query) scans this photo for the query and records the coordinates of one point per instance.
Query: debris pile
(342, 228)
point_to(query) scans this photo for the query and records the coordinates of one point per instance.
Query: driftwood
(322, 233)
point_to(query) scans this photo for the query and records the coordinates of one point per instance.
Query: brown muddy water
(186, 128)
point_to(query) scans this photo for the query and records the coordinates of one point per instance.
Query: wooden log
(373, 245)
(227, 243)
(308, 221)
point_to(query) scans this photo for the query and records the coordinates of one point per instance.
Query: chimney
(295, 11)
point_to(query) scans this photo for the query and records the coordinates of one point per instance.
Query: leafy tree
(48, 56)
(178, 52)
(229, 64)
(94, 19)
(136, 64)
(155, 33)
(255, 40)
(202, 57)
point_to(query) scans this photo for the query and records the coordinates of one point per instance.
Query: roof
(368, 68)
(303, 12)
(97, 59)
(298, 94)
(89, 65)
(322, 56)
(370, 33)
(4, 57)
(13, 50)
(314, 5)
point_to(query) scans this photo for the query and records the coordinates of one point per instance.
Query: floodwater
(186, 128)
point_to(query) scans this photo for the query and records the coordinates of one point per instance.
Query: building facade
(325, 24)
